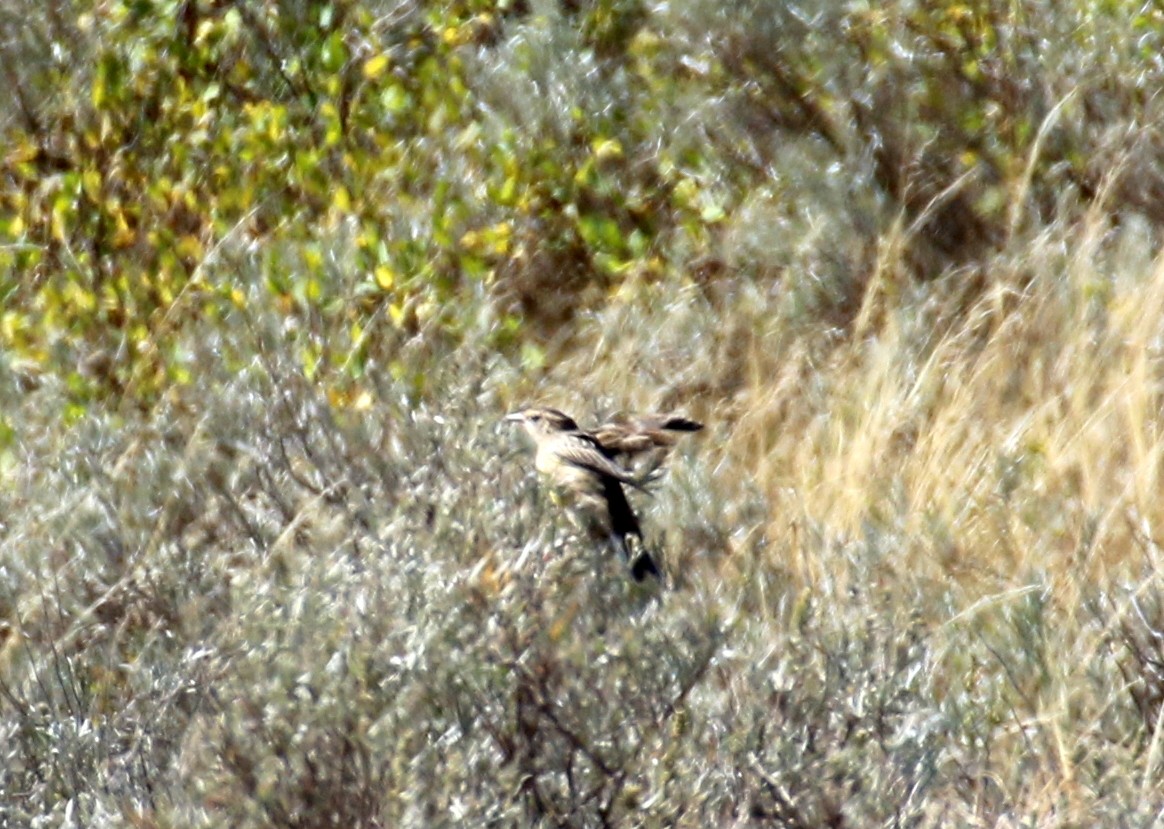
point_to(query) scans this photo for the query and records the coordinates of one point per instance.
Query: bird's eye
(535, 418)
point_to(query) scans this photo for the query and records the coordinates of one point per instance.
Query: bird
(591, 468)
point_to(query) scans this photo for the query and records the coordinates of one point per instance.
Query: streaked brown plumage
(627, 437)
(584, 466)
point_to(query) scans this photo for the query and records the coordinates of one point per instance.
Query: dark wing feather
(678, 423)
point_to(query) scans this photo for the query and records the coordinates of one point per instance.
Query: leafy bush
(539, 158)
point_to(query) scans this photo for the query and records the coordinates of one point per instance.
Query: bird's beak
(514, 417)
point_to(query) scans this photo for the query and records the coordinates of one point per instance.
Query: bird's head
(542, 421)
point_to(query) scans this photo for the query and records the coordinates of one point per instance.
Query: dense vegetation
(272, 273)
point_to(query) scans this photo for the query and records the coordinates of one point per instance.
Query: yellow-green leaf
(374, 67)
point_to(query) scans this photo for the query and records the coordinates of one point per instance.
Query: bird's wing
(619, 440)
(676, 423)
(655, 420)
(639, 434)
(585, 452)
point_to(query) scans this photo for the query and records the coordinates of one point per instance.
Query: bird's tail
(625, 532)
(642, 564)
